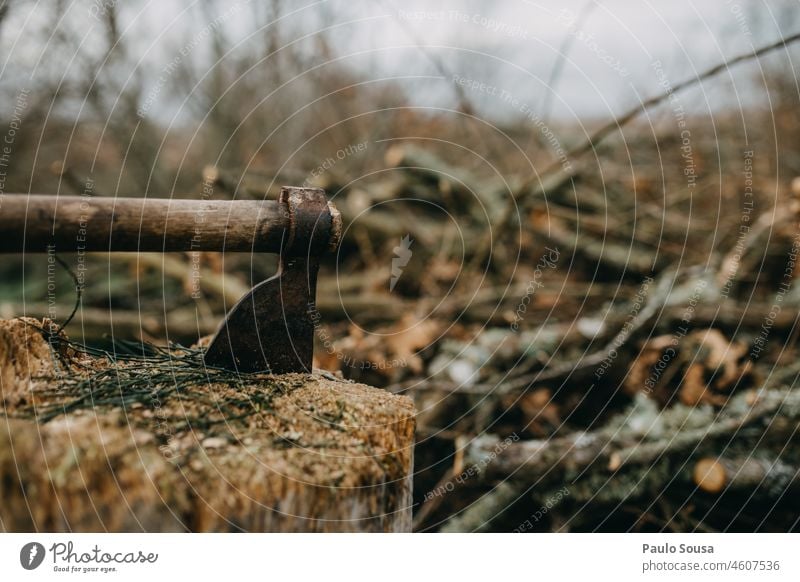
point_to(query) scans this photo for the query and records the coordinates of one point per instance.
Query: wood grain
(37, 223)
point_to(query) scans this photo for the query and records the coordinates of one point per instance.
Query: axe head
(271, 328)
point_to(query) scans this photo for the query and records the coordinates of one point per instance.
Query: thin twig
(561, 58)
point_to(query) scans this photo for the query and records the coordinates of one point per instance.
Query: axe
(271, 328)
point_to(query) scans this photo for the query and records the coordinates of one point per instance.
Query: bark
(719, 474)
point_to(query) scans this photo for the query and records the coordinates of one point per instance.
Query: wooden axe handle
(36, 223)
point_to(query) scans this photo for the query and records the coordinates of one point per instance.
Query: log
(718, 474)
(611, 448)
(478, 517)
(618, 257)
(304, 453)
(448, 179)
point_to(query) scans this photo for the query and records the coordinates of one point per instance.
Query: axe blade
(272, 327)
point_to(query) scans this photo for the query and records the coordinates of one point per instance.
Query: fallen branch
(717, 475)
(542, 461)
(478, 516)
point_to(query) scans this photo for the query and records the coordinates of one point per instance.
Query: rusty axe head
(271, 328)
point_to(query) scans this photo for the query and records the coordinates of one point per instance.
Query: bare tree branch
(5, 8)
(530, 185)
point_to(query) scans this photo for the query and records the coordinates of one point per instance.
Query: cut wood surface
(715, 475)
(301, 453)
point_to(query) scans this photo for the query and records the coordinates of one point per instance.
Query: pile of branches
(599, 337)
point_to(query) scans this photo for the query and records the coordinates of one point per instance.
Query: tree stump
(90, 444)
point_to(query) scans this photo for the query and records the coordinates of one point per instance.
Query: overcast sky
(506, 46)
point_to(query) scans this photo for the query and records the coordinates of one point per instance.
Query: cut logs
(258, 453)
(715, 475)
